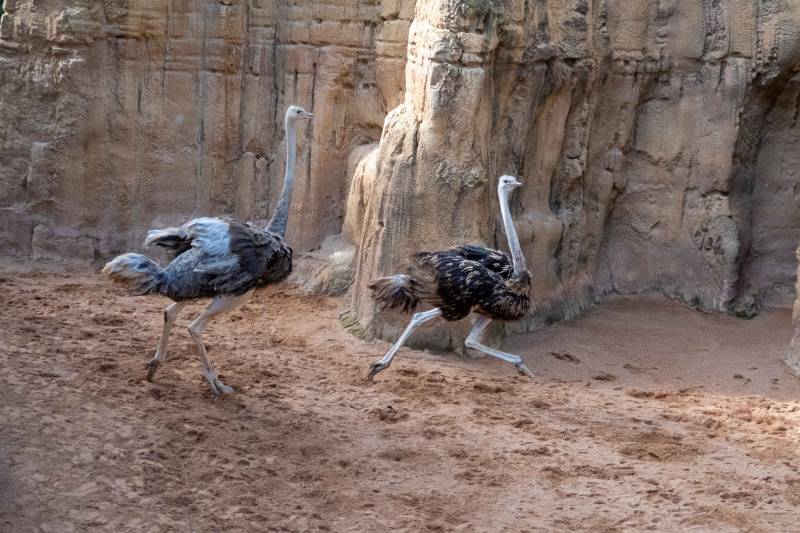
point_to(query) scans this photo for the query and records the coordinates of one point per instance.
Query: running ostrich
(460, 280)
(217, 258)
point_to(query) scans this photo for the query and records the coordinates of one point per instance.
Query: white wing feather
(210, 235)
(156, 234)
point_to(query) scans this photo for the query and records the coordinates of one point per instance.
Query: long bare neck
(513, 241)
(281, 215)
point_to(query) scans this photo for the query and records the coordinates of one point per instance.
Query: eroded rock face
(647, 134)
(792, 356)
(656, 139)
(120, 116)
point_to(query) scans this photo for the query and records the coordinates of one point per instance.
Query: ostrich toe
(220, 388)
(523, 369)
(152, 367)
(215, 383)
(374, 368)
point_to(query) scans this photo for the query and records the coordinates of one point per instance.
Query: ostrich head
(508, 183)
(295, 113)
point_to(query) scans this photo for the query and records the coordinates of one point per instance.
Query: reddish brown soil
(643, 415)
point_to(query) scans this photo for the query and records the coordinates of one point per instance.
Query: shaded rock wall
(640, 129)
(792, 355)
(656, 139)
(775, 198)
(119, 116)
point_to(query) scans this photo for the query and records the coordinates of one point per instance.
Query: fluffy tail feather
(141, 274)
(400, 290)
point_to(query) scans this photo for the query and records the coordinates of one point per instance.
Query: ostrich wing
(258, 257)
(458, 280)
(208, 234)
(494, 260)
(175, 239)
(222, 257)
(462, 284)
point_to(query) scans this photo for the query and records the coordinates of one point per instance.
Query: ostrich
(217, 258)
(460, 280)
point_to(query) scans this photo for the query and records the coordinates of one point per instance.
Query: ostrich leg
(218, 305)
(473, 341)
(417, 320)
(170, 314)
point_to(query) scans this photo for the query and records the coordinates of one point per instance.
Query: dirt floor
(643, 415)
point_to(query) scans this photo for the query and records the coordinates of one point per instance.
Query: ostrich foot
(376, 367)
(151, 366)
(221, 388)
(523, 369)
(216, 384)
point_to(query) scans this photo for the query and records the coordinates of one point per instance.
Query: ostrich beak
(307, 115)
(518, 183)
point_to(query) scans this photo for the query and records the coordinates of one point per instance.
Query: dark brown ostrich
(460, 280)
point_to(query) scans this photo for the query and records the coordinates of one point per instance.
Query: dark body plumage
(214, 257)
(259, 258)
(457, 281)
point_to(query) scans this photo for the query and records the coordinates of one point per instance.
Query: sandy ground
(643, 415)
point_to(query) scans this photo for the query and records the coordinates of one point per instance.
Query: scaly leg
(218, 305)
(417, 320)
(170, 314)
(473, 341)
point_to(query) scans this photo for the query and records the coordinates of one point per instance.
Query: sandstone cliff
(122, 115)
(657, 140)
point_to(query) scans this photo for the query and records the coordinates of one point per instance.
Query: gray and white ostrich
(461, 280)
(214, 257)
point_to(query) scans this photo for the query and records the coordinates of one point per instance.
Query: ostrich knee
(418, 318)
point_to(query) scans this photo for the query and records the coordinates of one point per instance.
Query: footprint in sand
(658, 446)
(564, 356)
(389, 414)
(482, 387)
(604, 376)
(633, 369)
(396, 454)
